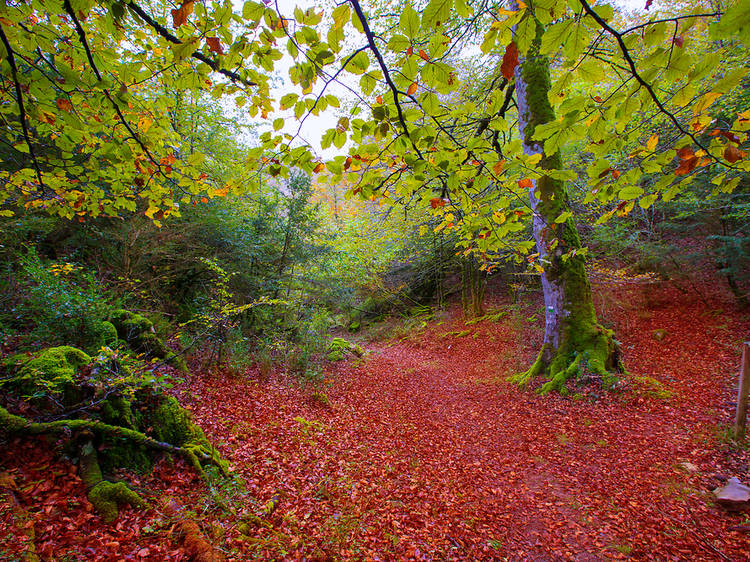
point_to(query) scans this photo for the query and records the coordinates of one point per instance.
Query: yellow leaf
(704, 102)
(144, 124)
(651, 143)
(151, 211)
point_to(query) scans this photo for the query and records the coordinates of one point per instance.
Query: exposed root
(104, 496)
(596, 355)
(197, 453)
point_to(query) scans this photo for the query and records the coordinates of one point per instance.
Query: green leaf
(399, 43)
(630, 192)
(278, 124)
(436, 13)
(409, 22)
(359, 63)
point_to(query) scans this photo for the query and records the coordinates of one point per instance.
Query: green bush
(63, 305)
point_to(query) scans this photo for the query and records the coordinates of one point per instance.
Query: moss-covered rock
(138, 331)
(51, 371)
(108, 333)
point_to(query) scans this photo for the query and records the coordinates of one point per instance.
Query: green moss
(141, 336)
(106, 496)
(50, 371)
(171, 422)
(108, 333)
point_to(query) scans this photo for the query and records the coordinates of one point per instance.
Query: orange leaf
(436, 202)
(180, 15)
(64, 105)
(319, 168)
(525, 183)
(733, 154)
(498, 167)
(409, 51)
(510, 60)
(204, 200)
(685, 153)
(424, 55)
(348, 163)
(686, 166)
(615, 174)
(412, 88)
(214, 45)
(379, 99)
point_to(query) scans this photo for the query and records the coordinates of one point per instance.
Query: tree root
(196, 452)
(597, 355)
(104, 496)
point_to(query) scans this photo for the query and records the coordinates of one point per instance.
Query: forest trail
(426, 452)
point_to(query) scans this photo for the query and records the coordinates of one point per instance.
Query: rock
(659, 334)
(689, 467)
(734, 495)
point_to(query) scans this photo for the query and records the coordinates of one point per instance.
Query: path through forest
(427, 452)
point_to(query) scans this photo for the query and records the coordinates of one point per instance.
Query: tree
(417, 137)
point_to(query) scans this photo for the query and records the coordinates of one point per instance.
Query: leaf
(412, 88)
(423, 55)
(64, 105)
(630, 192)
(437, 202)
(409, 22)
(498, 167)
(652, 142)
(510, 60)
(525, 183)
(686, 166)
(278, 124)
(733, 154)
(180, 15)
(436, 13)
(214, 45)
(319, 168)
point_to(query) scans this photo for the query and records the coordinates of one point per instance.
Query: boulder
(734, 495)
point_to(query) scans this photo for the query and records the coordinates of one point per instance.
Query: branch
(84, 42)
(21, 108)
(164, 32)
(626, 55)
(386, 73)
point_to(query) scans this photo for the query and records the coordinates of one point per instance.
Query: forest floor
(421, 450)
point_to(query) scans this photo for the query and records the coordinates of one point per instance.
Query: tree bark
(573, 339)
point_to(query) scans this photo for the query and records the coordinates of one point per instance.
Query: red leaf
(510, 60)
(648, 4)
(214, 45)
(409, 51)
(436, 202)
(679, 41)
(424, 55)
(64, 105)
(412, 88)
(685, 153)
(686, 166)
(379, 99)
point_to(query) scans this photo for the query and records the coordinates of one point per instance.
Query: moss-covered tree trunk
(573, 338)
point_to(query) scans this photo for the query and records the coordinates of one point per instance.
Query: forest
(374, 280)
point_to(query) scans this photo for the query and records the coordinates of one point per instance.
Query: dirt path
(427, 453)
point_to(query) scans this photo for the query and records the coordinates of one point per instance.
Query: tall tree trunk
(573, 339)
